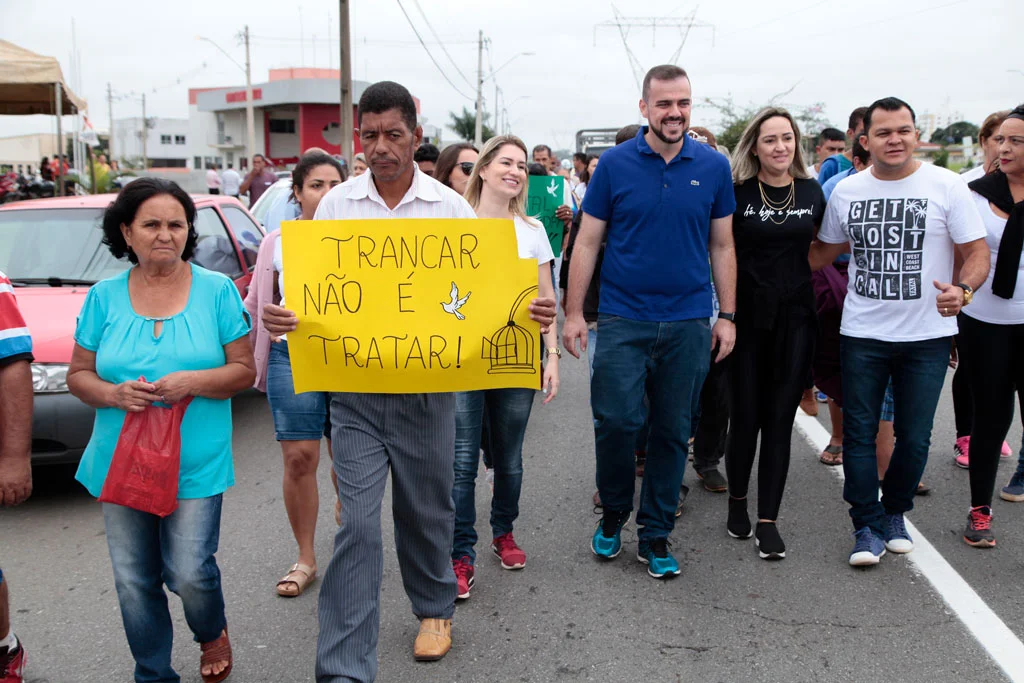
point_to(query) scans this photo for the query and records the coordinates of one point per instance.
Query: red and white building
(294, 110)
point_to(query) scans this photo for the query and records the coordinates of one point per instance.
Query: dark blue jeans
(670, 360)
(147, 552)
(918, 370)
(508, 411)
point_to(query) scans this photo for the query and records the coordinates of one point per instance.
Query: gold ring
(945, 310)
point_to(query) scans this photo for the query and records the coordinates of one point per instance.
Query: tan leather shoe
(433, 641)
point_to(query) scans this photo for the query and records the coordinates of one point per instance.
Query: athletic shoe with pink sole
(961, 452)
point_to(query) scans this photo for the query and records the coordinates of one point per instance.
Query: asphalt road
(566, 617)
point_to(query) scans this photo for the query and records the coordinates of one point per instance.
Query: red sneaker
(12, 666)
(463, 575)
(512, 556)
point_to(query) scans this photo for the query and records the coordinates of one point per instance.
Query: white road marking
(1002, 645)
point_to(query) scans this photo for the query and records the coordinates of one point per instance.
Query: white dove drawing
(456, 303)
(552, 188)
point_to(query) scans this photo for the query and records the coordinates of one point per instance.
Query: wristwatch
(555, 351)
(968, 292)
(731, 317)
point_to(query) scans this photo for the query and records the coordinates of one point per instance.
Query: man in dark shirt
(662, 202)
(258, 180)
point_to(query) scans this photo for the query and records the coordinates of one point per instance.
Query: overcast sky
(940, 55)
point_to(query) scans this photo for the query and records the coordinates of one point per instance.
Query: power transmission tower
(623, 23)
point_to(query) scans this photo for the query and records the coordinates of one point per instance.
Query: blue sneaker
(607, 540)
(659, 561)
(1014, 491)
(868, 549)
(897, 539)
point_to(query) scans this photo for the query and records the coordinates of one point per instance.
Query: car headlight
(49, 378)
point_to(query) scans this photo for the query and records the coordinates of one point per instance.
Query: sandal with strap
(831, 456)
(216, 651)
(299, 576)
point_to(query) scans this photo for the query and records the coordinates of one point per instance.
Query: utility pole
(145, 134)
(110, 113)
(250, 121)
(345, 46)
(478, 137)
(59, 95)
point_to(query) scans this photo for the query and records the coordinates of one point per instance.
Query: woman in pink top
(299, 419)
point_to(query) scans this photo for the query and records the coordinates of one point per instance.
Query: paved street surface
(566, 617)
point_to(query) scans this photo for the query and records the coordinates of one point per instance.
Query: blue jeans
(669, 360)
(918, 370)
(146, 552)
(508, 411)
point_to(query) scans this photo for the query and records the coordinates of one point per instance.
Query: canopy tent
(28, 82)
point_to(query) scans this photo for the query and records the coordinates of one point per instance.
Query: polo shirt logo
(695, 183)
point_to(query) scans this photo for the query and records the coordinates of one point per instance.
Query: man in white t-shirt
(231, 181)
(902, 219)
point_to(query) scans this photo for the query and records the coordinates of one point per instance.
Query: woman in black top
(778, 212)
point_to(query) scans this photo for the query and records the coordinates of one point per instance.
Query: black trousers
(713, 427)
(963, 404)
(993, 356)
(768, 375)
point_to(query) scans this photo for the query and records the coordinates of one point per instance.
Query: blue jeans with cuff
(147, 552)
(918, 371)
(669, 360)
(508, 412)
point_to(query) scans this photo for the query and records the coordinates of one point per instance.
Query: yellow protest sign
(410, 306)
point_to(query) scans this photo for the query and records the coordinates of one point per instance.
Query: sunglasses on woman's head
(466, 166)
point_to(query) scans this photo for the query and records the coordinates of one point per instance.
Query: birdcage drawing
(511, 349)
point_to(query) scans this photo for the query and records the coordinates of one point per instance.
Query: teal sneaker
(607, 540)
(659, 561)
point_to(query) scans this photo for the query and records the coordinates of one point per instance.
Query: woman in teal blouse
(185, 330)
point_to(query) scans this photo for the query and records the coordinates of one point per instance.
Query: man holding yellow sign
(379, 420)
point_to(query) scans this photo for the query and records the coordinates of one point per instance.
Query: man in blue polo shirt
(660, 202)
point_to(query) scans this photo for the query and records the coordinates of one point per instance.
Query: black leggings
(994, 359)
(768, 373)
(963, 404)
(713, 427)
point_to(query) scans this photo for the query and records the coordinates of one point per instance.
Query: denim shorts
(888, 404)
(297, 417)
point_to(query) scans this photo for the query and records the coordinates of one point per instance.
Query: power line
(440, 43)
(425, 49)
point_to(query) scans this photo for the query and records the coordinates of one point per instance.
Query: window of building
(165, 139)
(197, 163)
(282, 125)
(246, 232)
(179, 139)
(214, 249)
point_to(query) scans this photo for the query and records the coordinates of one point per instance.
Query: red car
(51, 249)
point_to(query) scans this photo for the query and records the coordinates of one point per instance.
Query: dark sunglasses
(466, 166)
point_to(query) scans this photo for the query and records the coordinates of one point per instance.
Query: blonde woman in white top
(497, 189)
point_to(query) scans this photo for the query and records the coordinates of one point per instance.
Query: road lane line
(1002, 645)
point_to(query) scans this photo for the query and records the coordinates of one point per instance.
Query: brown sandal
(216, 651)
(832, 456)
(300, 575)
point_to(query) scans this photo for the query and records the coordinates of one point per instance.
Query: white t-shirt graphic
(901, 233)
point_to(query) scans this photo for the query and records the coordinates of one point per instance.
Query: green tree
(942, 159)
(955, 132)
(464, 125)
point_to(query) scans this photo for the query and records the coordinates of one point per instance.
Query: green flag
(547, 193)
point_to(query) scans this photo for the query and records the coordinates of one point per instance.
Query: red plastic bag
(143, 473)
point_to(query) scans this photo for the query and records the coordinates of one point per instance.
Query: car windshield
(55, 246)
(262, 207)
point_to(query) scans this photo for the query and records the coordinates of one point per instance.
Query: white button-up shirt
(426, 198)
